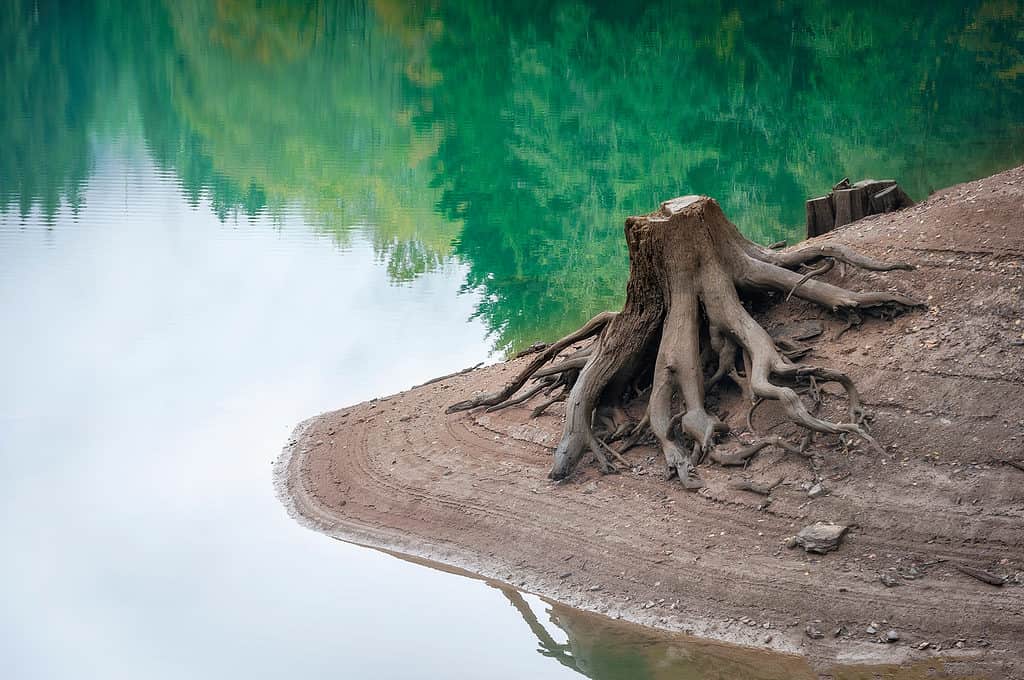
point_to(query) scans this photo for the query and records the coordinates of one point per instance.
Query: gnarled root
(591, 328)
(683, 311)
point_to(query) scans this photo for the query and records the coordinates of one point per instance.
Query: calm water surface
(219, 218)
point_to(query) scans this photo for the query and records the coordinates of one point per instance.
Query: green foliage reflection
(515, 137)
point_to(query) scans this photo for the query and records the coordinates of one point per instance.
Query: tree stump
(683, 329)
(848, 203)
(890, 199)
(820, 216)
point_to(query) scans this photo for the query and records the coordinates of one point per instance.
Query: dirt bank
(946, 386)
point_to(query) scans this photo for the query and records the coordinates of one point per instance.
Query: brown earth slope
(946, 386)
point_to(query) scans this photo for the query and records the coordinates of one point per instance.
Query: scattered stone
(892, 636)
(890, 580)
(565, 575)
(590, 488)
(817, 491)
(820, 537)
(923, 646)
(872, 629)
(813, 632)
(594, 589)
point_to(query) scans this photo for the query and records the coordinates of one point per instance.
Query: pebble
(813, 632)
(892, 636)
(890, 580)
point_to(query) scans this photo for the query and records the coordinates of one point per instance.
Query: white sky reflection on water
(154, 361)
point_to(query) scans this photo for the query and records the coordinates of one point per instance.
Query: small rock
(813, 632)
(565, 575)
(923, 646)
(820, 537)
(892, 636)
(890, 580)
(872, 629)
(594, 589)
(767, 639)
(590, 488)
(817, 491)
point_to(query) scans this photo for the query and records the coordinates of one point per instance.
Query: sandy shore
(946, 386)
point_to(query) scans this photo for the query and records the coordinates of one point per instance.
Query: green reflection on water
(515, 137)
(603, 649)
(606, 649)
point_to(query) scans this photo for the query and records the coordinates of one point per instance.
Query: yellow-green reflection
(608, 649)
(603, 649)
(513, 136)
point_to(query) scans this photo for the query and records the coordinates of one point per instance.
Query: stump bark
(683, 330)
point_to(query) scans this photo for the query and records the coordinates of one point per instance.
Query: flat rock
(821, 537)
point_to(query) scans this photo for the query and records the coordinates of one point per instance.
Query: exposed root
(526, 396)
(681, 333)
(762, 489)
(574, 364)
(539, 410)
(813, 252)
(823, 268)
(743, 455)
(590, 329)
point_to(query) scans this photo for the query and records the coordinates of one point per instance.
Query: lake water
(220, 218)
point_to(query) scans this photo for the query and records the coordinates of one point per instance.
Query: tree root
(762, 489)
(743, 455)
(590, 329)
(683, 315)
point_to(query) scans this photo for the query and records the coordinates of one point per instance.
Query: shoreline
(470, 490)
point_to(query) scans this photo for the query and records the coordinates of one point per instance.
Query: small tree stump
(850, 205)
(890, 199)
(820, 216)
(850, 202)
(873, 186)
